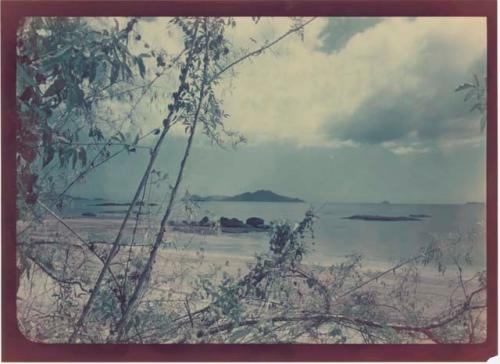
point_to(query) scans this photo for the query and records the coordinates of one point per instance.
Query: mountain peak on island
(257, 196)
(263, 196)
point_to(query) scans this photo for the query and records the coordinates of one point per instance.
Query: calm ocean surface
(334, 236)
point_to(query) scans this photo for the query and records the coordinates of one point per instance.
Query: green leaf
(115, 70)
(25, 76)
(464, 86)
(142, 68)
(55, 88)
(468, 95)
(58, 58)
(75, 157)
(477, 106)
(62, 156)
(92, 72)
(483, 123)
(49, 155)
(76, 97)
(82, 154)
(128, 70)
(476, 80)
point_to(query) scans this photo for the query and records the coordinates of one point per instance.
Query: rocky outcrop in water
(255, 221)
(225, 225)
(205, 221)
(231, 223)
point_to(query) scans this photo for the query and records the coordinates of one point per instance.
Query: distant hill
(257, 196)
(263, 196)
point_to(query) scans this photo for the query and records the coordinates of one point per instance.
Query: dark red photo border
(15, 347)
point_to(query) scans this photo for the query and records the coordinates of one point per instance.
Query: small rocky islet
(411, 217)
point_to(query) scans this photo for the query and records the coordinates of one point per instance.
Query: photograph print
(256, 180)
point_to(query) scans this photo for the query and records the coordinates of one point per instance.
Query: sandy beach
(179, 253)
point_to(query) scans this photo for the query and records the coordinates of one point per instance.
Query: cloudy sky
(361, 110)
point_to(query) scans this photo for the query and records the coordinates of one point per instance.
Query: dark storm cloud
(340, 29)
(378, 120)
(431, 112)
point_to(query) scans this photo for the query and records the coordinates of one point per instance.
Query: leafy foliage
(63, 67)
(475, 93)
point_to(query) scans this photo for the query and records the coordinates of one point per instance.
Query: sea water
(334, 235)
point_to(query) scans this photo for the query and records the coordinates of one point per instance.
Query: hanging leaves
(476, 91)
(62, 65)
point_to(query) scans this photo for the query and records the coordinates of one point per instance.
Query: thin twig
(260, 50)
(54, 276)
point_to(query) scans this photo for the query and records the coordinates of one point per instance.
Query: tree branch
(145, 275)
(261, 49)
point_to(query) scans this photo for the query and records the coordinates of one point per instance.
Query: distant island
(257, 196)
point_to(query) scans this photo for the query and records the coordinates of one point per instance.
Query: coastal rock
(205, 221)
(233, 222)
(255, 221)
